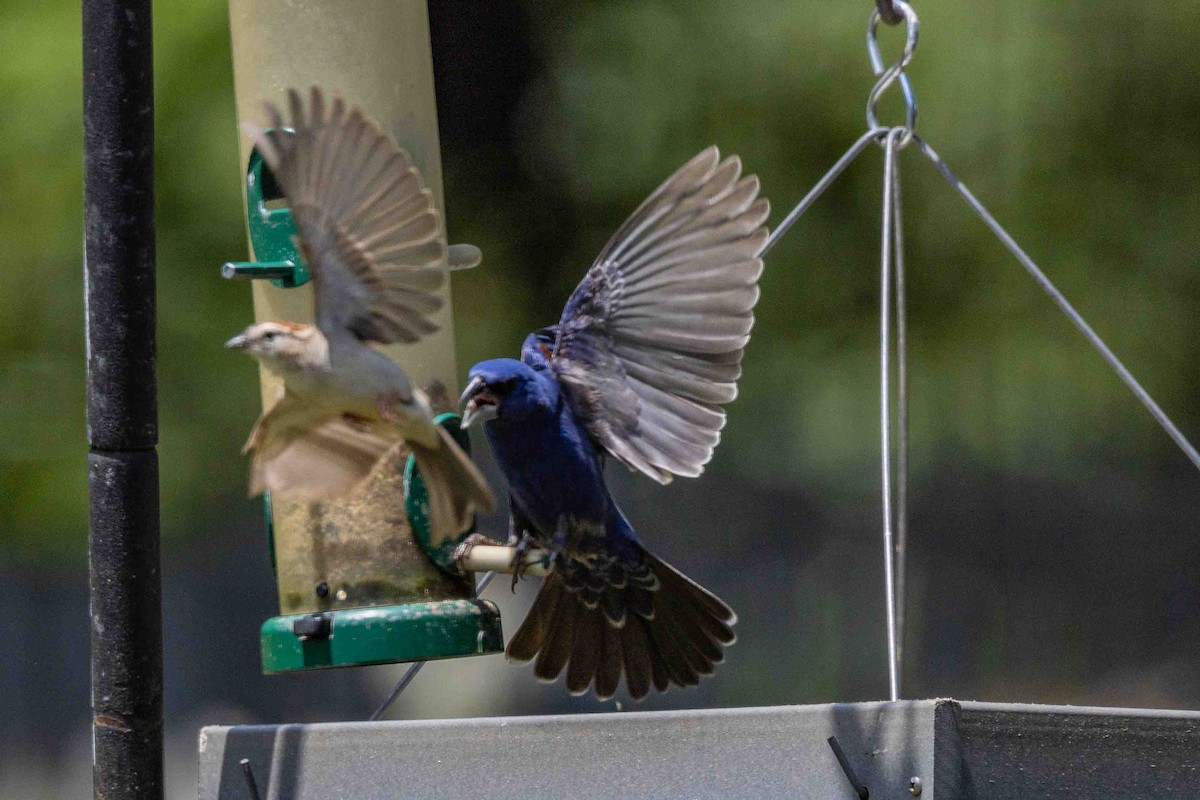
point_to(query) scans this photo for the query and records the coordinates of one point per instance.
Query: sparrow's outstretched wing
(305, 453)
(650, 344)
(368, 226)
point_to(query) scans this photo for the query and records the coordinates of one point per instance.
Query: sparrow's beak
(479, 405)
(238, 342)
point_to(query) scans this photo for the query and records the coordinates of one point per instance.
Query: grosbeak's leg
(523, 543)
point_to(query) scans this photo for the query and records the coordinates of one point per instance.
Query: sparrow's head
(501, 389)
(281, 344)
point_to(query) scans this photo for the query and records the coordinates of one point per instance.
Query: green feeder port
(272, 232)
(416, 501)
(359, 582)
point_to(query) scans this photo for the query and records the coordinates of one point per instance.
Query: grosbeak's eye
(271, 336)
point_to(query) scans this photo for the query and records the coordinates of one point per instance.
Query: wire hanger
(893, 330)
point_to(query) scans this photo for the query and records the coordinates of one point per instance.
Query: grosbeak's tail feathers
(455, 485)
(658, 628)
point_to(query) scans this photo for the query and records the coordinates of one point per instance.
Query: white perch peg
(496, 558)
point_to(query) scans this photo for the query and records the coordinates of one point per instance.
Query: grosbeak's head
(501, 389)
(283, 345)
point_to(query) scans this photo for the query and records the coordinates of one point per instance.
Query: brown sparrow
(374, 243)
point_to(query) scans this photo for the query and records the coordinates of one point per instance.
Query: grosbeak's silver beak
(478, 403)
(238, 342)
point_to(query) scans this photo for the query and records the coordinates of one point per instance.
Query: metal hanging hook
(888, 12)
(896, 71)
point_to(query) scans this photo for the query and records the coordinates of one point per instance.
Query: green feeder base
(382, 635)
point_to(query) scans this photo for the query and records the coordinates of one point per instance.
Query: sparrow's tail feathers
(456, 487)
(652, 624)
(298, 459)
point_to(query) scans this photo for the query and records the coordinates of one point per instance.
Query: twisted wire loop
(894, 73)
(876, 132)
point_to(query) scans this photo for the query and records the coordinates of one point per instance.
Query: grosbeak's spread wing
(650, 344)
(368, 227)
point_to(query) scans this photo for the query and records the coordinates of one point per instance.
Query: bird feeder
(358, 581)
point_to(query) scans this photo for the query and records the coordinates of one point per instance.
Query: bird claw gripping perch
(520, 563)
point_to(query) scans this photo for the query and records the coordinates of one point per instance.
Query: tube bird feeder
(358, 582)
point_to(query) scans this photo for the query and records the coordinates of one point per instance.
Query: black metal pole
(119, 264)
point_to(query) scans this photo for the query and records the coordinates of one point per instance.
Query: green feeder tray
(381, 635)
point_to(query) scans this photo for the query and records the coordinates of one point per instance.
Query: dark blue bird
(648, 349)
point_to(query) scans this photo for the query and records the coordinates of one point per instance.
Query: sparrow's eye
(271, 336)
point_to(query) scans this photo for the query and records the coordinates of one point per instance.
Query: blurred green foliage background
(1033, 467)
(1074, 124)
